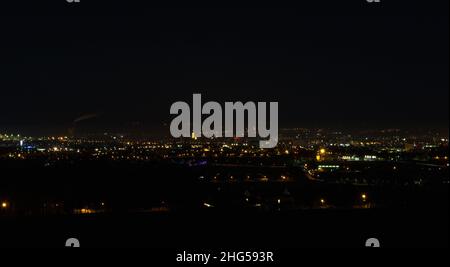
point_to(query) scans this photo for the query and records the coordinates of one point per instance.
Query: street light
(364, 197)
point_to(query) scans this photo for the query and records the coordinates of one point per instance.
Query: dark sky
(330, 65)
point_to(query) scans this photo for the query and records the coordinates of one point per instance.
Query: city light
(257, 168)
(364, 197)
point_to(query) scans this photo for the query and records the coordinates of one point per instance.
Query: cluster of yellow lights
(194, 136)
(4, 205)
(320, 154)
(86, 211)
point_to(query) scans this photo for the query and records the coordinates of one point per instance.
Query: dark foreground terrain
(173, 206)
(210, 229)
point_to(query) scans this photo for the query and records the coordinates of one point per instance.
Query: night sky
(352, 66)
